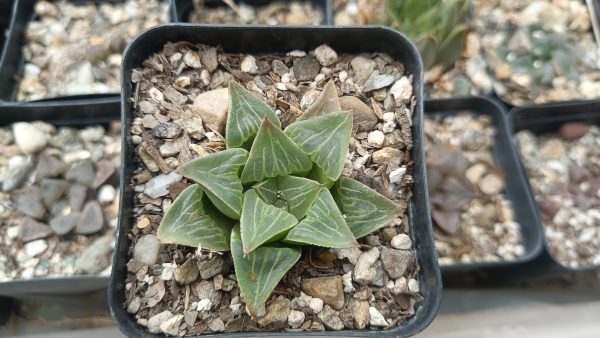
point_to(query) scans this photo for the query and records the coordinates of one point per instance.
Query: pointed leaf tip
(246, 112)
(294, 194)
(262, 223)
(274, 154)
(218, 174)
(365, 210)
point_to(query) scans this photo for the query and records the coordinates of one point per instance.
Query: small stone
(148, 107)
(377, 81)
(413, 285)
(364, 270)
(171, 326)
(204, 305)
(397, 175)
(380, 277)
(166, 270)
(325, 55)
(360, 312)
(206, 290)
(52, 190)
(149, 121)
(475, 172)
(49, 166)
(248, 65)
(376, 138)
(571, 131)
(31, 229)
(362, 115)
(36, 247)
(143, 222)
(306, 68)
(192, 59)
(295, 318)
(491, 184)
(212, 267)
(17, 172)
(376, 318)
(134, 305)
(166, 130)
(347, 280)
(190, 317)
(146, 249)
(106, 194)
(63, 224)
(96, 257)
(315, 305)
(155, 322)
(158, 185)
(329, 289)
(30, 203)
(29, 138)
(91, 219)
(77, 194)
(277, 312)
(331, 318)
(104, 170)
(351, 253)
(216, 325)
(401, 241)
(402, 89)
(387, 155)
(82, 172)
(187, 272)
(209, 58)
(279, 67)
(301, 302)
(362, 67)
(169, 149)
(212, 107)
(396, 262)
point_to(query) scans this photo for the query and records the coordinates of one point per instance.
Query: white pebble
(106, 194)
(396, 175)
(413, 285)
(168, 271)
(389, 117)
(315, 305)
(204, 305)
(402, 89)
(377, 318)
(36, 247)
(248, 65)
(295, 318)
(401, 241)
(376, 138)
(347, 280)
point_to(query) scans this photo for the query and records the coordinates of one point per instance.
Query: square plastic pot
(281, 39)
(180, 9)
(72, 114)
(11, 57)
(516, 191)
(542, 119)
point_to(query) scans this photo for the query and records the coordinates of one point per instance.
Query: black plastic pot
(11, 57)
(545, 119)
(280, 39)
(461, 274)
(180, 9)
(74, 114)
(5, 10)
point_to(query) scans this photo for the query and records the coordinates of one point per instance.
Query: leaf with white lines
(259, 272)
(323, 226)
(244, 117)
(365, 209)
(274, 154)
(325, 139)
(294, 194)
(193, 221)
(261, 222)
(219, 175)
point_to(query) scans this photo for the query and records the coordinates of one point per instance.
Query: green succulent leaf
(261, 222)
(325, 139)
(327, 102)
(323, 226)
(193, 221)
(218, 174)
(274, 154)
(293, 194)
(317, 174)
(259, 272)
(365, 210)
(244, 117)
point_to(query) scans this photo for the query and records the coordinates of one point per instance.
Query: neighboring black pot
(5, 10)
(180, 9)
(73, 114)
(545, 119)
(462, 274)
(11, 57)
(280, 39)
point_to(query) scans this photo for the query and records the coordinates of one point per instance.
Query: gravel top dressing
(181, 102)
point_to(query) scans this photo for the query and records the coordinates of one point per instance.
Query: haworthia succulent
(261, 222)
(325, 139)
(218, 174)
(323, 226)
(365, 209)
(295, 194)
(193, 221)
(259, 272)
(274, 154)
(244, 117)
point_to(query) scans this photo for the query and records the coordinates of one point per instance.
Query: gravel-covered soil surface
(274, 13)
(180, 105)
